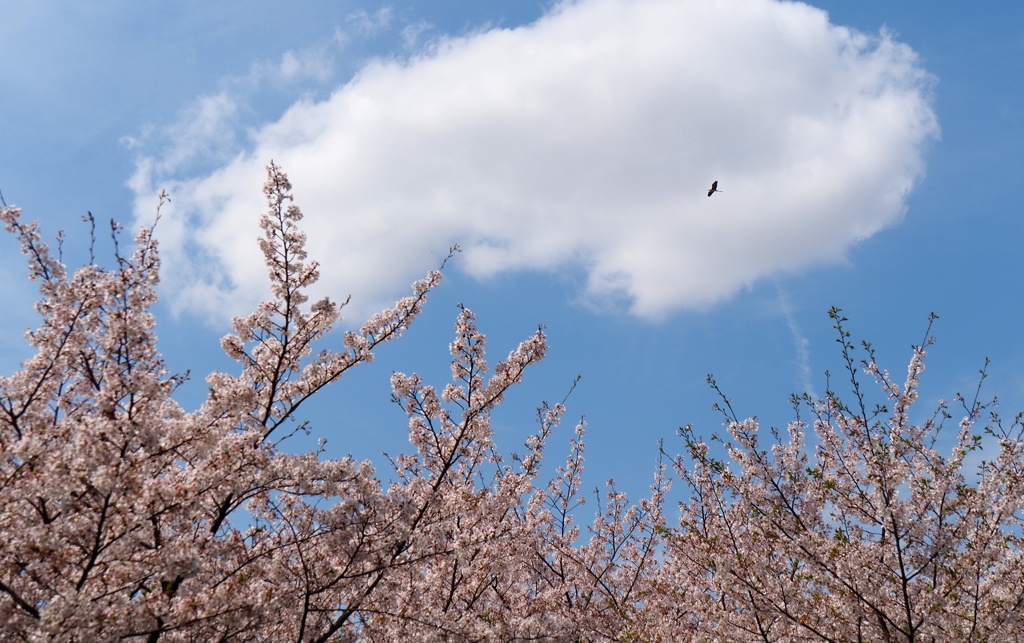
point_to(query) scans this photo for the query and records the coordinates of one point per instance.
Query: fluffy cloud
(586, 140)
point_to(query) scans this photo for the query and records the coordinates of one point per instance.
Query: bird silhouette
(714, 188)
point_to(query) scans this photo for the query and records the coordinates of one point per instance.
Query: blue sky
(870, 156)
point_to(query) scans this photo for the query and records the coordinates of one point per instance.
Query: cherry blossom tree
(125, 517)
(852, 525)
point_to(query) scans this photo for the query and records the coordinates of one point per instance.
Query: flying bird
(714, 188)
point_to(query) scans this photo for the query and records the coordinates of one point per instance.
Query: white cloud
(585, 140)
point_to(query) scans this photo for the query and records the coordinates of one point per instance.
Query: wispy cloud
(585, 140)
(411, 33)
(371, 24)
(314, 63)
(801, 345)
